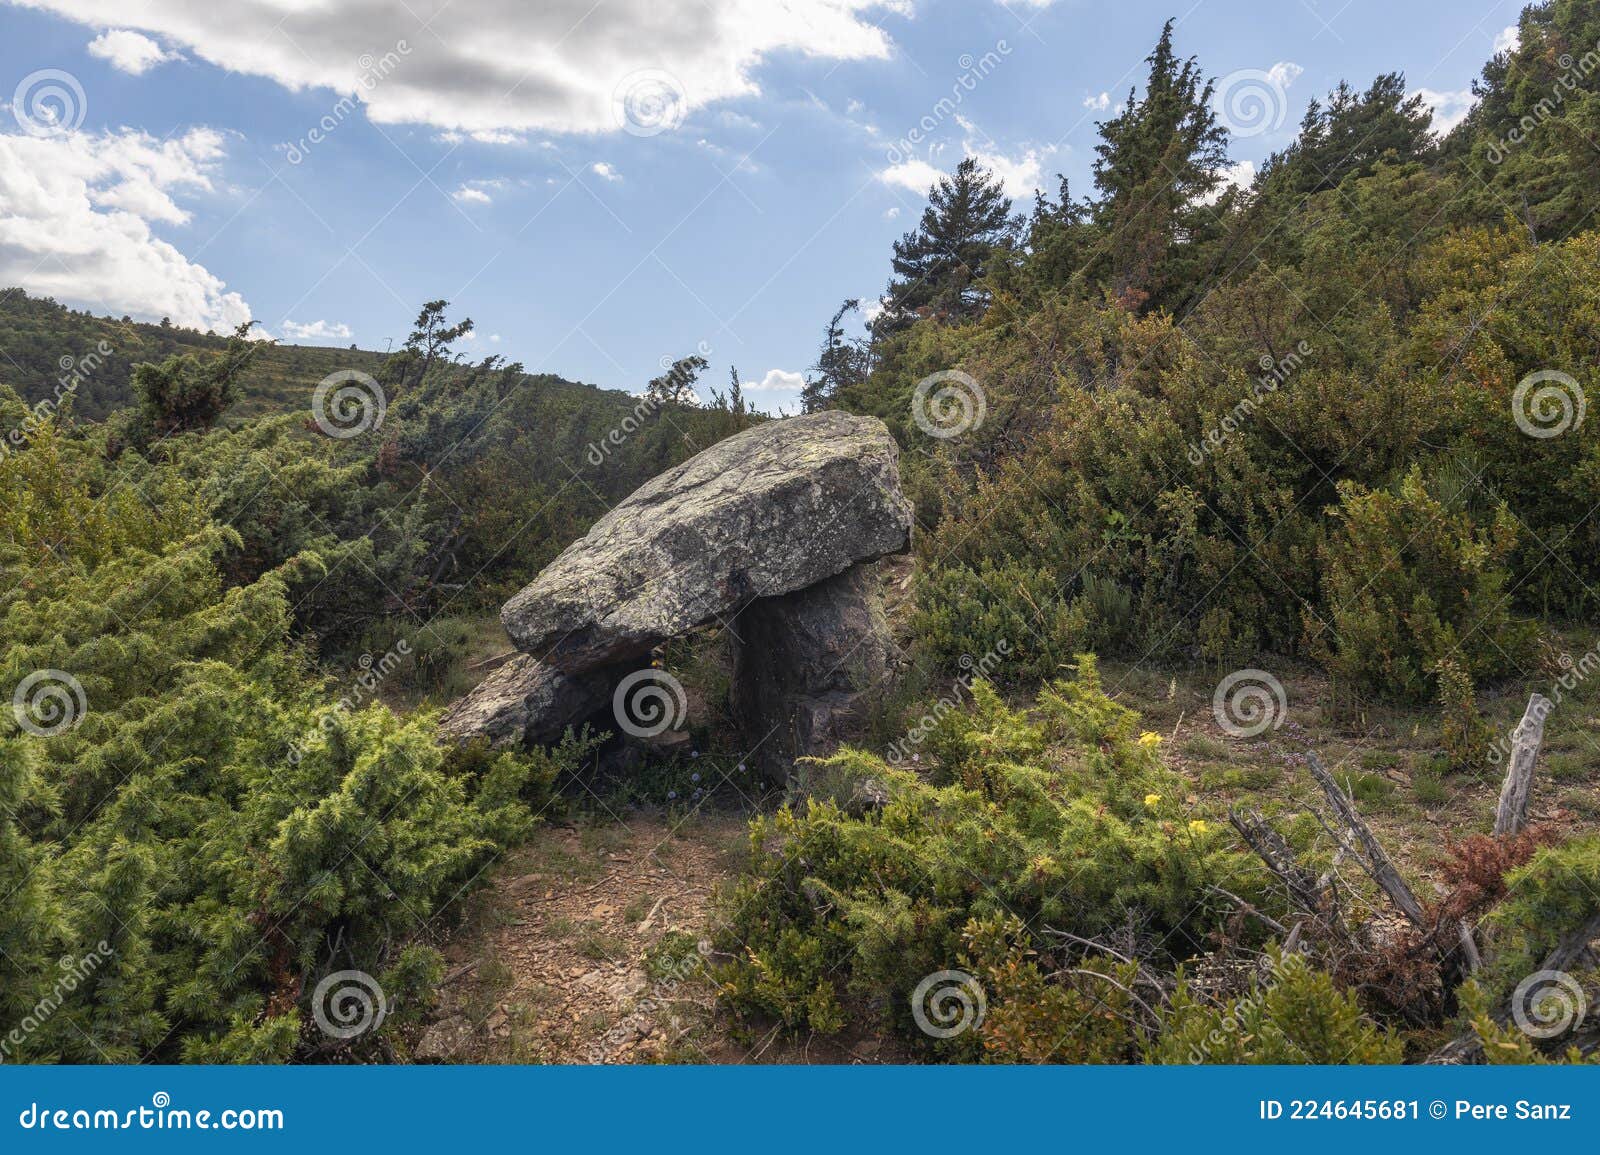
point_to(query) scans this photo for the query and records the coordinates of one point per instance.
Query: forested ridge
(1324, 429)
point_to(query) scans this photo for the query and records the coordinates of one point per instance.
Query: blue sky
(599, 185)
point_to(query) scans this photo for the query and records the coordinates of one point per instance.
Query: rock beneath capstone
(525, 701)
(801, 664)
(770, 511)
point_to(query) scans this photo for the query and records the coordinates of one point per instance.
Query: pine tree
(1351, 134)
(184, 394)
(939, 266)
(1157, 163)
(676, 385)
(842, 362)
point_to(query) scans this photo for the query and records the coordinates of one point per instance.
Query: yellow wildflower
(1198, 826)
(1149, 740)
(1150, 800)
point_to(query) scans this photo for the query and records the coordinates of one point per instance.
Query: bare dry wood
(1367, 849)
(1512, 813)
(1308, 894)
(1569, 949)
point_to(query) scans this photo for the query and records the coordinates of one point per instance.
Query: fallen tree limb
(1270, 847)
(1571, 947)
(1368, 850)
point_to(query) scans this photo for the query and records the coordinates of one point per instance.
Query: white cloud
(1449, 108)
(1019, 176)
(1097, 103)
(131, 52)
(76, 212)
(471, 195)
(1507, 39)
(776, 381)
(916, 176)
(604, 171)
(317, 331)
(891, 212)
(504, 66)
(1284, 73)
(1240, 174)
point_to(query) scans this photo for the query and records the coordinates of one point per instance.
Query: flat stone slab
(772, 510)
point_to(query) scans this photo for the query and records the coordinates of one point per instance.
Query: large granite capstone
(775, 509)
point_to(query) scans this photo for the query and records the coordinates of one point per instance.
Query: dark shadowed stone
(801, 664)
(525, 701)
(775, 509)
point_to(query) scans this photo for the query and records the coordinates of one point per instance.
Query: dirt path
(582, 948)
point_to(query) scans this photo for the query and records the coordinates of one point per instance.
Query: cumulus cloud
(504, 66)
(1449, 108)
(604, 171)
(916, 176)
(776, 381)
(76, 217)
(471, 195)
(1240, 174)
(130, 52)
(1019, 176)
(1097, 103)
(317, 331)
(1284, 73)
(1507, 39)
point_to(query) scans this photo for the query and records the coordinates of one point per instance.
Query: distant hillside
(42, 343)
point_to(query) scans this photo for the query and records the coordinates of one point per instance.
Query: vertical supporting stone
(801, 664)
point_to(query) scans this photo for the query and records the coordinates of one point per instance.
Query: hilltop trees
(940, 265)
(1156, 164)
(1351, 133)
(841, 363)
(185, 394)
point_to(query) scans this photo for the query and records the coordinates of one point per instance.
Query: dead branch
(1512, 813)
(1269, 845)
(1368, 850)
(1271, 922)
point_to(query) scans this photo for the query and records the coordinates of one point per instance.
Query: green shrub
(1407, 583)
(1070, 820)
(1294, 1015)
